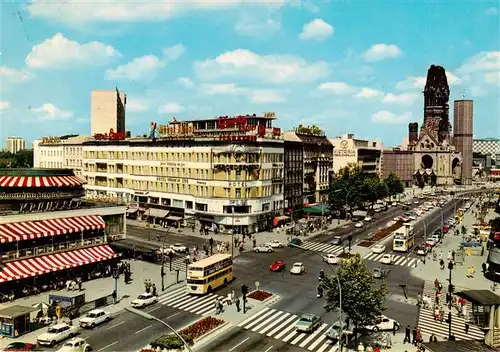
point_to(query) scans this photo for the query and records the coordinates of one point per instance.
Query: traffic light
(244, 290)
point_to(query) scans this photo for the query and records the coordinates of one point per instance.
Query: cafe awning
(157, 213)
(174, 218)
(26, 230)
(25, 268)
(35, 181)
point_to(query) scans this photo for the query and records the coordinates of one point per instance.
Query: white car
(275, 244)
(263, 248)
(297, 269)
(165, 250)
(359, 224)
(387, 259)
(75, 345)
(378, 248)
(367, 218)
(94, 318)
(397, 218)
(144, 300)
(383, 324)
(394, 204)
(56, 334)
(331, 259)
(180, 248)
(415, 202)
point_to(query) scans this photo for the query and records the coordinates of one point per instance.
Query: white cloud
(492, 77)
(481, 62)
(404, 98)
(256, 95)
(452, 79)
(266, 96)
(336, 87)
(379, 52)
(170, 108)
(134, 105)
(317, 29)
(368, 93)
(476, 91)
(137, 69)
(174, 52)
(60, 52)
(222, 88)
(12, 75)
(4, 105)
(277, 69)
(412, 83)
(387, 117)
(248, 26)
(492, 11)
(49, 112)
(186, 82)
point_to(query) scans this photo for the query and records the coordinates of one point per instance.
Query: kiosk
(15, 320)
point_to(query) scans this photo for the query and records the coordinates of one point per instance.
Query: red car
(446, 228)
(277, 265)
(19, 346)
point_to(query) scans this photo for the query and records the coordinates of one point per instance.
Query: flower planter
(200, 328)
(260, 295)
(366, 244)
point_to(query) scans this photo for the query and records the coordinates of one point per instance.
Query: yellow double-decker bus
(206, 275)
(404, 239)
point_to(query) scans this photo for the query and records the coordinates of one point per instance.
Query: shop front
(175, 217)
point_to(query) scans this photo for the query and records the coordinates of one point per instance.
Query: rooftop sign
(111, 136)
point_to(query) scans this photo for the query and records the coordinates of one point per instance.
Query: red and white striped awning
(27, 230)
(36, 181)
(22, 269)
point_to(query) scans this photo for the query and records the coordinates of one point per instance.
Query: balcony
(50, 249)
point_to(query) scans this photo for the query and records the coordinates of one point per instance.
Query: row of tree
(23, 158)
(354, 188)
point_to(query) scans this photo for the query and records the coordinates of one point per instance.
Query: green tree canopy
(362, 299)
(23, 158)
(394, 184)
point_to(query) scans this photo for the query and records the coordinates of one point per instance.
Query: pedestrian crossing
(181, 299)
(401, 260)
(428, 325)
(280, 325)
(180, 262)
(322, 247)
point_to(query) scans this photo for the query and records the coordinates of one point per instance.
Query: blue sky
(349, 67)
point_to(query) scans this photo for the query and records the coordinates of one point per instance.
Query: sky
(347, 66)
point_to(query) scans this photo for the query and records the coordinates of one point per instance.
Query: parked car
(336, 240)
(278, 265)
(144, 300)
(333, 333)
(94, 318)
(20, 346)
(308, 323)
(275, 244)
(56, 334)
(75, 345)
(387, 259)
(331, 259)
(378, 248)
(295, 241)
(421, 250)
(298, 268)
(367, 218)
(179, 248)
(380, 273)
(263, 248)
(383, 324)
(359, 224)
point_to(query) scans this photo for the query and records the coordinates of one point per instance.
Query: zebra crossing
(401, 260)
(429, 326)
(280, 325)
(181, 299)
(180, 262)
(322, 247)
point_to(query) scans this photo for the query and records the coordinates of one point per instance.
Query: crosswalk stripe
(268, 321)
(277, 321)
(400, 260)
(279, 327)
(282, 333)
(298, 337)
(324, 347)
(185, 301)
(313, 335)
(292, 334)
(203, 302)
(317, 342)
(428, 326)
(259, 319)
(265, 309)
(322, 247)
(410, 263)
(335, 348)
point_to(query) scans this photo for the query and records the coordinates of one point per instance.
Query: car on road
(20, 346)
(421, 250)
(57, 333)
(415, 202)
(165, 250)
(397, 218)
(295, 241)
(331, 259)
(431, 242)
(298, 269)
(308, 323)
(387, 259)
(333, 333)
(179, 248)
(383, 324)
(380, 273)
(394, 204)
(359, 224)
(378, 248)
(263, 248)
(275, 244)
(367, 218)
(144, 300)
(75, 345)
(336, 240)
(94, 318)
(278, 265)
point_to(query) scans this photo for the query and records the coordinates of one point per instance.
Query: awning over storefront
(35, 181)
(174, 218)
(318, 209)
(22, 269)
(156, 213)
(26, 230)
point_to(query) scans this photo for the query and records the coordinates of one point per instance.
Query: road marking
(173, 315)
(312, 336)
(268, 321)
(114, 326)
(253, 316)
(153, 309)
(269, 349)
(262, 317)
(111, 344)
(238, 345)
(139, 331)
(279, 327)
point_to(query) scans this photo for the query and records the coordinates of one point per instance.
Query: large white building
(15, 144)
(347, 150)
(107, 111)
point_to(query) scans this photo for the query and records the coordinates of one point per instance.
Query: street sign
(257, 284)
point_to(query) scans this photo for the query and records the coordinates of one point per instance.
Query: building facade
(107, 111)
(293, 175)
(348, 151)
(318, 152)
(399, 162)
(463, 116)
(49, 233)
(15, 144)
(225, 173)
(487, 146)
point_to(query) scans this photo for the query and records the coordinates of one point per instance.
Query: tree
(23, 158)
(394, 185)
(362, 299)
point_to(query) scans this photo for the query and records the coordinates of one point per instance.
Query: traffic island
(260, 295)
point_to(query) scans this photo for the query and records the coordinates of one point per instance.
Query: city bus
(404, 239)
(207, 274)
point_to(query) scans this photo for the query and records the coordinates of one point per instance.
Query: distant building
(487, 146)
(463, 115)
(399, 162)
(293, 180)
(15, 144)
(107, 111)
(348, 150)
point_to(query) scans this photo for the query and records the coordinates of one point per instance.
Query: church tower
(436, 107)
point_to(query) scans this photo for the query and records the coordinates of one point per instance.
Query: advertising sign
(176, 129)
(51, 140)
(111, 136)
(239, 122)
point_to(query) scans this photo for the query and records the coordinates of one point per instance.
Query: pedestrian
(419, 335)
(237, 302)
(361, 347)
(466, 327)
(483, 266)
(449, 257)
(407, 334)
(433, 338)
(254, 242)
(441, 264)
(153, 288)
(217, 306)
(419, 299)
(414, 336)
(436, 313)
(228, 299)
(453, 255)
(394, 328)
(233, 296)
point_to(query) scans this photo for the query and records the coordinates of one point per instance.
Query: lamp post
(152, 317)
(232, 231)
(450, 291)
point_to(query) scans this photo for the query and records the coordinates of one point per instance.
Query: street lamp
(450, 292)
(346, 196)
(152, 317)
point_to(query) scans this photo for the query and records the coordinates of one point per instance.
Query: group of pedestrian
(150, 287)
(471, 271)
(229, 300)
(413, 336)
